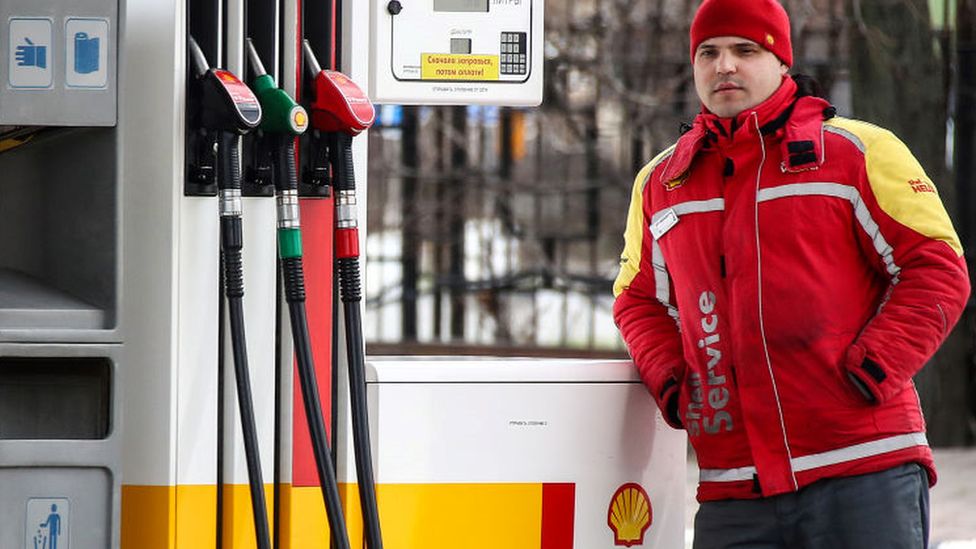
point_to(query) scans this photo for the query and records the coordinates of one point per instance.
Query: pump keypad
(514, 56)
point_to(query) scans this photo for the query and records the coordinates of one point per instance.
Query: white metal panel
(198, 276)
(292, 47)
(492, 369)
(598, 435)
(151, 152)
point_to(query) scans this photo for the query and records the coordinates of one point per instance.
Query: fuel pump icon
(86, 53)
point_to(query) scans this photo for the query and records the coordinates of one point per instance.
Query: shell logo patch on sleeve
(672, 185)
(920, 186)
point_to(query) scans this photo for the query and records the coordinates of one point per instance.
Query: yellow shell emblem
(629, 515)
(672, 185)
(770, 40)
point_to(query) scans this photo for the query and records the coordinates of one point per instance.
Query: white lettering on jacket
(716, 418)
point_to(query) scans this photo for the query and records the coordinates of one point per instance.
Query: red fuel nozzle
(339, 105)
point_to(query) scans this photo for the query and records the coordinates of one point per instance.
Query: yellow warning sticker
(444, 66)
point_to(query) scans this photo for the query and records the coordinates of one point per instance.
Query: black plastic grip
(231, 244)
(228, 161)
(294, 277)
(349, 279)
(286, 172)
(341, 153)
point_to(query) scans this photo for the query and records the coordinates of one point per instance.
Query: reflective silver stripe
(846, 135)
(662, 281)
(726, 475)
(823, 459)
(861, 212)
(692, 206)
(805, 189)
(859, 451)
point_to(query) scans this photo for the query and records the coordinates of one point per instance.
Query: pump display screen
(461, 5)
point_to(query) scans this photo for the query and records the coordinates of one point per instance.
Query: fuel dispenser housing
(61, 337)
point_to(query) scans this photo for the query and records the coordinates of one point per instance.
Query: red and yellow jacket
(783, 277)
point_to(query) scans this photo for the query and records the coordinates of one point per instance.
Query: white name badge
(664, 224)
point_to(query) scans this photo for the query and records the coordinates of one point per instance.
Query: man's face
(733, 74)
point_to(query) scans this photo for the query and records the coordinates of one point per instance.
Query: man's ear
(783, 69)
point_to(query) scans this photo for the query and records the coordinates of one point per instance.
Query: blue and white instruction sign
(47, 524)
(86, 53)
(29, 63)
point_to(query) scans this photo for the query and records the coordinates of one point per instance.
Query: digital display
(461, 5)
(461, 45)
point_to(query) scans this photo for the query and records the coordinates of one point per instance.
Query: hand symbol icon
(31, 55)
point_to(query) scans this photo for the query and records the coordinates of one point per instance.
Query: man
(784, 275)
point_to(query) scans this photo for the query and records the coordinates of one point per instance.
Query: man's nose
(725, 63)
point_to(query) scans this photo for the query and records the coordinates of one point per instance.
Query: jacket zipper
(762, 324)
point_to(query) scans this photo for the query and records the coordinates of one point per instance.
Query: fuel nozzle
(223, 103)
(281, 113)
(339, 105)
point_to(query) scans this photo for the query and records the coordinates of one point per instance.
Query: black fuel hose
(289, 250)
(231, 246)
(347, 252)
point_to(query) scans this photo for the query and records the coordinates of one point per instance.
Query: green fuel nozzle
(281, 113)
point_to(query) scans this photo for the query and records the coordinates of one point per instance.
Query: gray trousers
(888, 509)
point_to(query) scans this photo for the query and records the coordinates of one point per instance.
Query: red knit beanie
(763, 21)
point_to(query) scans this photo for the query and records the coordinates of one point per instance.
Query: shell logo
(770, 40)
(629, 515)
(672, 185)
(299, 119)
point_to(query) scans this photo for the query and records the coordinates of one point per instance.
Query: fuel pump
(283, 121)
(227, 109)
(341, 110)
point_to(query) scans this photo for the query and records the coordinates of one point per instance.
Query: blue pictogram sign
(30, 59)
(47, 523)
(86, 53)
(31, 55)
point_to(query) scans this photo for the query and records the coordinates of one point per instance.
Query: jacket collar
(799, 119)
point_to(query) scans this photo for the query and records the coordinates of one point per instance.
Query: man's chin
(726, 111)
